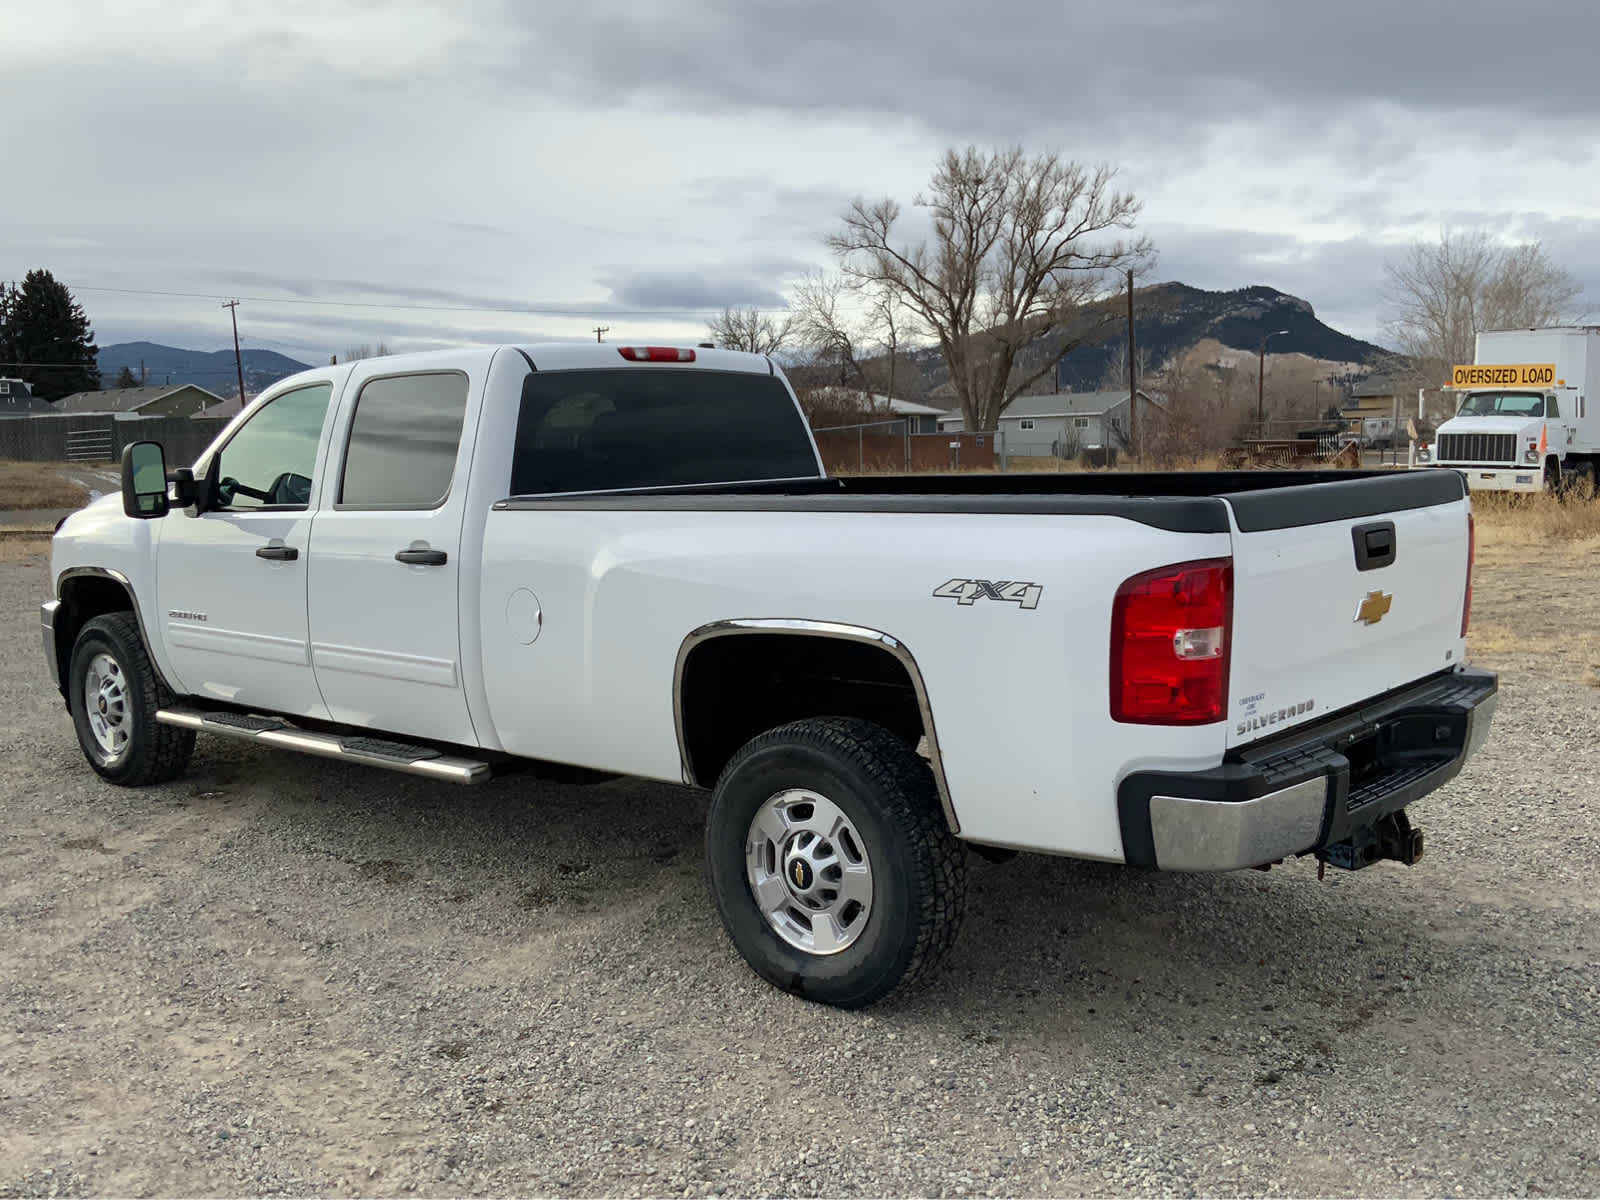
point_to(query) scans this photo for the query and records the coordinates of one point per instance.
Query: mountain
(1168, 319)
(214, 370)
(1171, 317)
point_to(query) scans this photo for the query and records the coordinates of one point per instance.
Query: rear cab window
(403, 443)
(616, 429)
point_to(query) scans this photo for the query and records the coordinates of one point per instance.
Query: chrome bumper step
(368, 751)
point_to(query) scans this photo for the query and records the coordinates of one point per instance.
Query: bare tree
(1441, 295)
(847, 324)
(1209, 406)
(751, 329)
(1015, 263)
(366, 350)
(1115, 376)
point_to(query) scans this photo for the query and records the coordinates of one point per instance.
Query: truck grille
(1477, 448)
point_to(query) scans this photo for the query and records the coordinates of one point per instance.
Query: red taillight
(1171, 639)
(655, 354)
(1472, 555)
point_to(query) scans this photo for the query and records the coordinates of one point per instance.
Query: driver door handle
(422, 558)
(278, 553)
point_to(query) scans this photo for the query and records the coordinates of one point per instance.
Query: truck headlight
(1424, 454)
(1530, 455)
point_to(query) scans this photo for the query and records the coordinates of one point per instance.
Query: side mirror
(144, 481)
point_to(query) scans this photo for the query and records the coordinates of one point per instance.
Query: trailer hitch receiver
(1392, 837)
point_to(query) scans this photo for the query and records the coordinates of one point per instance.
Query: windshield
(1511, 404)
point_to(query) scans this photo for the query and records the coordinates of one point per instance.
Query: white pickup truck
(630, 560)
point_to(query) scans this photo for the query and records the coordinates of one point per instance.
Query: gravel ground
(282, 975)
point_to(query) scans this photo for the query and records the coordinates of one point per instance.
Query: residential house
(1065, 424)
(1372, 398)
(919, 418)
(17, 400)
(173, 400)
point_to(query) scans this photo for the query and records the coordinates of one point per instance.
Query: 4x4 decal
(966, 591)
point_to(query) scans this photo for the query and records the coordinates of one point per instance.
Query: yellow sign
(1539, 375)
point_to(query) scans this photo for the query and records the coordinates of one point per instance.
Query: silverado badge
(1374, 607)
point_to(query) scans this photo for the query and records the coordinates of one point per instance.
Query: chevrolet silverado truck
(630, 561)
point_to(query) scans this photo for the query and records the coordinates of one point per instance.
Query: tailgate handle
(1375, 545)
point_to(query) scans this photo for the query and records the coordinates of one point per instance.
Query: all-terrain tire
(116, 726)
(887, 804)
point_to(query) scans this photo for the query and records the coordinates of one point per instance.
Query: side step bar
(368, 751)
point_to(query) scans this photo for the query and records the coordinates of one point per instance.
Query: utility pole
(600, 332)
(233, 311)
(143, 377)
(1133, 381)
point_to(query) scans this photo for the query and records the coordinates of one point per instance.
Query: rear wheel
(115, 694)
(831, 863)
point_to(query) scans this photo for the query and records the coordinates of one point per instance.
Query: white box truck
(1522, 422)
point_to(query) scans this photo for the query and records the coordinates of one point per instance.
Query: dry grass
(28, 547)
(25, 485)
(1516, 521)
(1495, 640)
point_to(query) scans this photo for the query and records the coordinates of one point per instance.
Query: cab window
(270, 461)
(404, 441)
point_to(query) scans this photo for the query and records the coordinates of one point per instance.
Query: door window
(270, 461)
(403, 441)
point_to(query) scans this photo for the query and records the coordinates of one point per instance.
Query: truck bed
(1180, 501)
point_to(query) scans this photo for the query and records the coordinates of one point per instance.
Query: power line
(161, 370)
(527, 311)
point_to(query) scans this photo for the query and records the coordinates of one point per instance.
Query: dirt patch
(24, 547)
(391, 873)
(39, 485)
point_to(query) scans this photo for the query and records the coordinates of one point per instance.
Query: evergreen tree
(126, 379)
(8, 301)
(40, 322)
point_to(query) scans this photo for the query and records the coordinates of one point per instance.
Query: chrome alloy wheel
(809, 872)
(105, 700)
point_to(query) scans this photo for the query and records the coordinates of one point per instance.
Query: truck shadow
(1044, 937)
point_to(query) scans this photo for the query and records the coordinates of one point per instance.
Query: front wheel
(831, 863)
(115, 694)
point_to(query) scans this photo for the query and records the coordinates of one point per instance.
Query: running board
(368, 751)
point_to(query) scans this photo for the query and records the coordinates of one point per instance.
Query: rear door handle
(422, 558)
(278, 553)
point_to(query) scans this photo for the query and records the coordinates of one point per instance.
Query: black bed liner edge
(1181, 502)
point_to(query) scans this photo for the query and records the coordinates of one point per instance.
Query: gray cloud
(1077, 66)
(688, 288)
(650, 156)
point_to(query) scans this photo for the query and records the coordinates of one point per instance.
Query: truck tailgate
(1343, 591)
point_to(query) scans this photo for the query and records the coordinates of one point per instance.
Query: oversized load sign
(1538, 375)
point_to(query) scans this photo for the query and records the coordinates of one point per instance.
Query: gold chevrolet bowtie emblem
(799, 874)
(1374, 607)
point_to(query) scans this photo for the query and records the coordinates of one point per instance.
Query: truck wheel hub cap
(105, 697)
(808, 871)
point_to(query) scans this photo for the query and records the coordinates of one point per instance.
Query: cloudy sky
(433, 171)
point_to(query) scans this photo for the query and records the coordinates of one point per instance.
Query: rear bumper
(47, 631)
(1312, 787)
